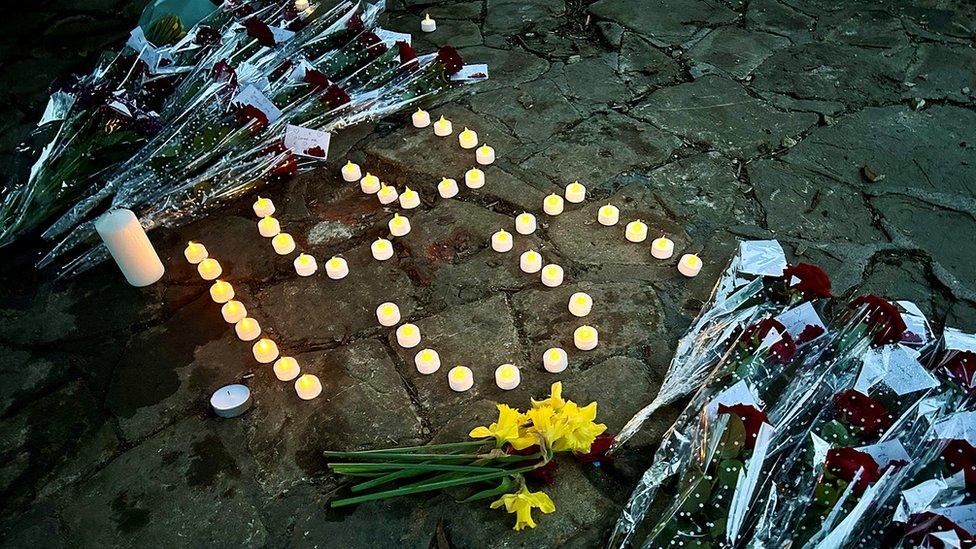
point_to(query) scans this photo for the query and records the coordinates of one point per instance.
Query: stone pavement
(845, 129)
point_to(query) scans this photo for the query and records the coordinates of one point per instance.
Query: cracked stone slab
(536, 115)
(508, 66)
(778, 18)
(943, 72)
(665, 23)
(590, 82)
(643, 66)
(863, 27)
(508, 17)
(735, 51)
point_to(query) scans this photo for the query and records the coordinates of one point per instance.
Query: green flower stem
(342, 468)
(391, 457)
(409, 449)
(426, 487)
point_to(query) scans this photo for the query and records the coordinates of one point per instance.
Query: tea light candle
(301, 5)
(387, 194)
(221, 292)
(474, 178)
(231, 400)
(427, 361)
(286, 368)
(388, 314)
(382, 249)
(427, 24)
(636, 231)
(308, 387)
(507, 377)
(460, 379)
(269, 226)
(608, 215)
(552, 275)
(530, 262)
(305, 265)
(265, 351)
(443, 127)
(484, 155)
(525, 223)
(555, 360)
(447, 188)
(421, 119)
(585, 338)
(689, 265)
(553, 204)
(195, 252)
(350, 172)
(283, 244)
(336, 268)
(408, 336)
(233, 311)
(501, 241)
(369, 184)
(247, 329)
(209, 269)
(575, 192)
(410, 199)
(580, 304)
(662, 248)
(399, 225)
(468, 139)
(130, 247)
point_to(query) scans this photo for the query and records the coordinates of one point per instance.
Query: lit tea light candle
(608, 215)
(269, 226)
(308, 387)
(427, 24)
(263, 207)
(501, 241)
(552, 275)
(408, 336)
(265, 351)
(388, 314)
(460, 379)
(410, 199)
(507, 377)
(247, 329)
(585, 338)
(689, 265)
(447, 188)
(305, 265)
(580, 304)
(233, 311)
(530, 262)
(421, 118)
(336, 268)
(399, 225)
(195, 252)
(484, 155)
(221, 292)
(468, 139)
(636, 231)
(283, 244)
(443, 127)
(555, 360)
(553, 204)
(209, 269)
(387, 194)
(369, 184)
(231, 400)
(662, 248)
(350, 172)
(382, 249)
(525, 223)
(301, 5)
(474, 178)
(575, 192)
(427, 361)
(286, 368)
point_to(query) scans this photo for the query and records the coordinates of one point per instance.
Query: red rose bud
(845, 463)
(222, 71)
(961, 367)
(315, 151)
(921, 525)
(372, 43)
(249, 114)
(751, 417)
(407, 53)
(335, 97)
(781, 351)
(959, 455)
(206, 36)
(882, 317)
(809, 333)
(449, 58)
(812, 282)
(316, 79)
(856, 408)
(287, 166)
(598, 450)
(260, 31)
(355, 22)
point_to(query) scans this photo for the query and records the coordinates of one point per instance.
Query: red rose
(751, 417)
(373, 44)
(961, 367)
(355, 22)
(882, 317)
(922, 524)
(249, 114)
(286, 166)
(544, 475)
(844, 463)
(856, 408)
(809, 333)
(223, 72)
(450, 59)
(406, 52)
(598, 450)
(316, 79)
(812, 282)
(781, 351)
(315, 151)
(206, 36)
(335, 97)
(260, 31)
(959, 455)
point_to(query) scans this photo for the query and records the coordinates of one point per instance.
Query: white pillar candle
(447, 188)
(460, 378)
(263, 207)
(231, 400)
(608, 215)
(427, 24)
(636, 231)
(247, 329)
(269, 226)
(382, 249)
(283, 244)
(501, 241)
(427, 361)
(580, 304)
(689, 265)
(530, 262)
(233, 311)
(305, 265)
(443, 127)
(350, 172)
(131, 249)
(553, 204)
(388, 314)
(474, 178)
(484, 155)
(525, 223)
(369, 184)
(195, 252)
(399, 225)
(555, 360)
(585, 338)
(552, 275)
(209, 269)
(410, 199)
(286, 368)
(387, 194)
(575, 192)
(336, 268)
(408, 336)
(507, 377)
(662, 248)
(221, 292)
(265, 351)
(468, 139)
(421, 119)
(308, 387)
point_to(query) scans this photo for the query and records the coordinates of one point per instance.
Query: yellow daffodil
(521, 503)
(547, 427)
(506, 429)
(580, 430)
(555, 400)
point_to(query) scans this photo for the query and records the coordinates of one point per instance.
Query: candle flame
(458, 373)
(408, 329)
(380, 243)
(586, 333)
(426, 355)
(506, 372)
(484, 149)
(306, 381)
(552, 271)
(554, 355)
(581, 299)
(388, 310)
(335, 263)
(693, 260)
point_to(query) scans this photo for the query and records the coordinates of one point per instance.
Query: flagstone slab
(734, 51)
(666, 23)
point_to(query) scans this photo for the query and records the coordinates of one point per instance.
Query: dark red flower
(222, 71)
(206, 36)
(856, 408)
(812, 282)
(781, 351)
(260, 31)
(372, 43)
(751, 417)
(921, 525)
(316, 79)
(249, 114)
(355, 22)
(315, 151)
(544, 475)
(450, 59)
(335, 97)
(809, 333)
(959, 366)
(883, 318)
(598, 450)
(407, 54)
(844, 463)
(959, 455)
(288, 165)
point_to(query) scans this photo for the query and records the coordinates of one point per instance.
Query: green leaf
(733, 438)
(165, 30)
(698, 495)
